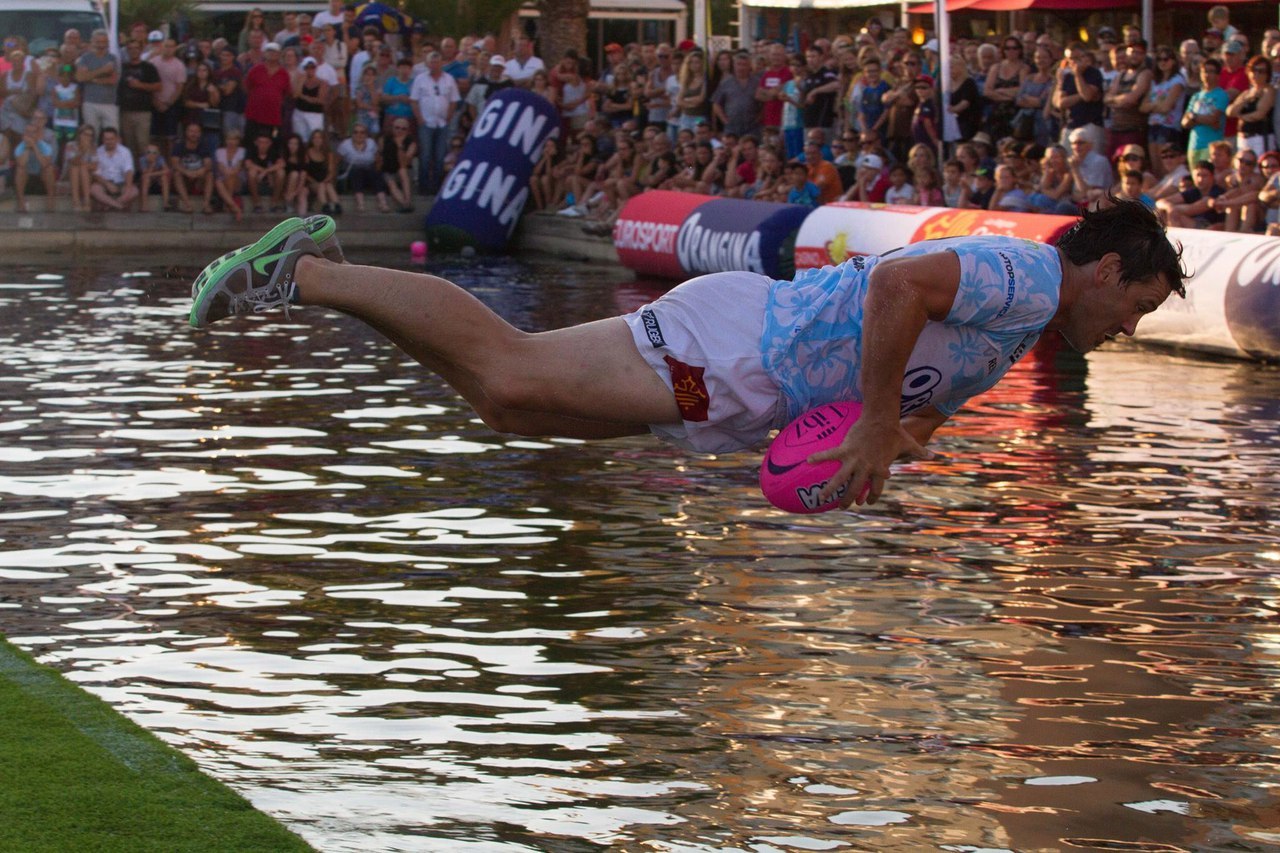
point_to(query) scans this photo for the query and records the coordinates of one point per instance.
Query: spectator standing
(692, 102)
(1125, 96)
(310, 96)
(1001, 87)
(900, 106)
(1163, 106)
(266, 86)
(1205, 116)
(395, 98)
(494, 80)
(20, 87)
(167, 111)
(98, 72)
(1079, 96)
(139, 82)
(435, 97)
(870, 101)
(113, 184)
(1234, 78)
(330, 17)
(367, 111)
(658, 84)
(793, 111)
(770, 91)
(1253, 107)
(199, 102)
(1031, 121)
(523, 65)
(66, 106)
(254, 21)
(924, 121)
(818, 92)
(734, 101)
(230, 82)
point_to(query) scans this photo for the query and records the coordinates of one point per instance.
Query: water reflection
(301, 559)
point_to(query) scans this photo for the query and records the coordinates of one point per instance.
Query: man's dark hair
(1210, 62)
(1130, 229)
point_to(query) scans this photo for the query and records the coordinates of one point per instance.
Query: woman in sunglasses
(1163, 106)
(1001, 87)
(1253, 107)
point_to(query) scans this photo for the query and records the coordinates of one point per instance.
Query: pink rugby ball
(787, 480)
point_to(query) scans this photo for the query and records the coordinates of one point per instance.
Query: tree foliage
(156, 13)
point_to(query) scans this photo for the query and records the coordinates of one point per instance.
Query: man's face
(435, 62)
(524, 47)
(747, 149)
(777, 55)
(1081, 147)
(1136, 55)
(742, 66)
(99, 43)
(71, 37)
(168, 48)
(449, 48)
(226, 58)
(192, 134)
(1209, 76)
(813, 58)
(110, 140)
(1108, 309)
(135, 51)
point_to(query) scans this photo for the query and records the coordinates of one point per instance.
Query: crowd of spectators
(298, 113)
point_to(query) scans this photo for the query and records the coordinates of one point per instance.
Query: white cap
(497, 60)
(308, 62)
(271, 45)
(869, 161)
(155, 35)
(931, 44)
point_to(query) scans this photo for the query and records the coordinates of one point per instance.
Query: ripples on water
(298, 557)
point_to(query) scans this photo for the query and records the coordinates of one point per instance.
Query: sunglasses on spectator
(1246, 161)
(1135, 157)
(1012, 46)
(1271, 163)
(1170, 155)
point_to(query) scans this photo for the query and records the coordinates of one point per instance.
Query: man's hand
(864, 456)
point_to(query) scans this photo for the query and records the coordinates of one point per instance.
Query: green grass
(77, 776)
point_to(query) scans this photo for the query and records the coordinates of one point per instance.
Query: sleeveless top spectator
(1173, 117)
(1127, 119)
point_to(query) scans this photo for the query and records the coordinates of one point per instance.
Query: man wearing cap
(155, 41)
(1079, 93)
(98, 72)
(494, 80)
(266, 86)
(1234, 78)
(522, 66)
(139, 82)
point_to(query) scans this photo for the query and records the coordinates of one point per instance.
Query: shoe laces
(262, 299)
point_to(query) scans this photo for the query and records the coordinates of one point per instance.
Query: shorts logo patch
(690, 389)
(651, 328)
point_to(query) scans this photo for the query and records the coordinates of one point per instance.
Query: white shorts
(703, 340)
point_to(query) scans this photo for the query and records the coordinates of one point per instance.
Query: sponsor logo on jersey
(651, 328)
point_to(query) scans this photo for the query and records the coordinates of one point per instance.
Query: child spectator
(801, 190)
(924, 120)
(35, 156)
(900, 189)
(955, 189)
(78, 160)
(1205, 116)
(1190, 208)
(153, 174)
(1008, 196)
(928, 186)
(66, 107)
(264, 173)
(1131, 188)
(984, 188)
(792, 113)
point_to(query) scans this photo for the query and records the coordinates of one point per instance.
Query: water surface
(295, 555)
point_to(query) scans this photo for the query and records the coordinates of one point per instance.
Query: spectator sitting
(1269, 195)
(984, 189)
(320, 169)
(870, 182)
(228, 174)
(1175, 169)
(1052, 190)
(192, 163)
(1190, 208)
(34, 157)
(928, 187)
(822, 172)
(1134, 157)
(545, 187)
(399, 150)
(1090, 172)
(78, 161)
(900, 190)
(770, 182)
(360, 162)
(113, 184)
(801, 190)
(1008, 196)
(955, 189)
(1239, 199)
(1131, 188)
(154, 176)
(264, 169)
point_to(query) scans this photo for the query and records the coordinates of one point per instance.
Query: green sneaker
(321, 228)
(257, 278)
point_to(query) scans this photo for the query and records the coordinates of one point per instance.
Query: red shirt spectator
(266, 86)
(771, 82)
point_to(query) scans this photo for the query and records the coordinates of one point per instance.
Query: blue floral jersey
(812, 340)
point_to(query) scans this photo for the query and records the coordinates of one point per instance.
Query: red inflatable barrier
(646, 230)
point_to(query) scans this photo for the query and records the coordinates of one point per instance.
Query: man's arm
(903, 294)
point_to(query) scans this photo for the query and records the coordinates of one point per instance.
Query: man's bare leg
(584, 381)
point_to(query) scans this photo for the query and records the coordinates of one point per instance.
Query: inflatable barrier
(678, 235)
(484, 194)
(836, 232)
